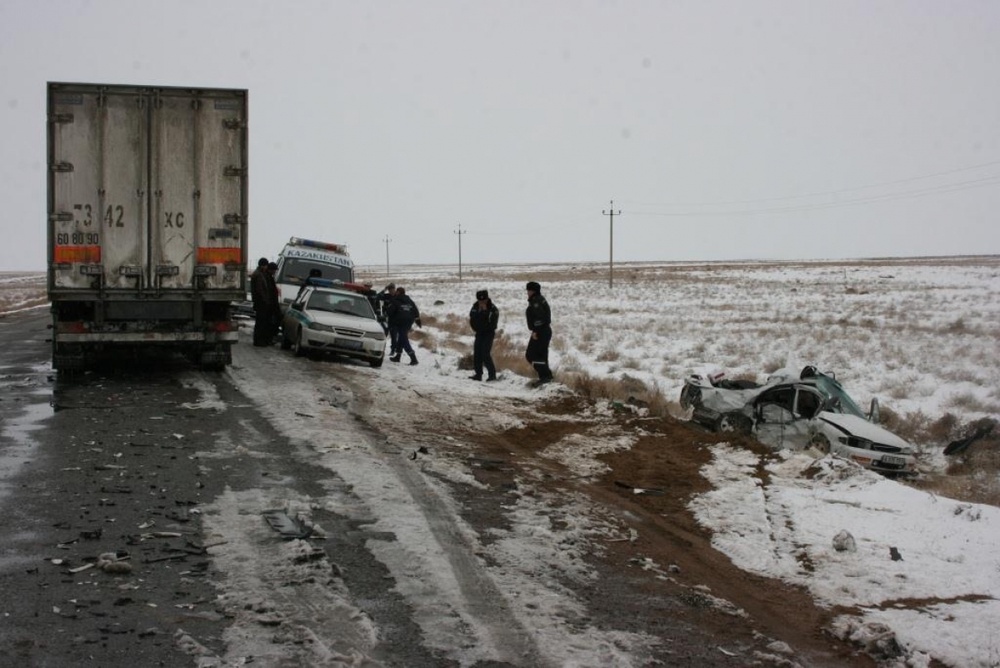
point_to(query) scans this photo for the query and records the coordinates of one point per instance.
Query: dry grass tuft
(972, 474)
(917, 427)
(626, 390)
(509, 355)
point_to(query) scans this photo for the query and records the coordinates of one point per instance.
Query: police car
(328, 317)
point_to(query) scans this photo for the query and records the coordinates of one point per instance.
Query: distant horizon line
(604, 263)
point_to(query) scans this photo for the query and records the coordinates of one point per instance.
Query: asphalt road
(121, 461)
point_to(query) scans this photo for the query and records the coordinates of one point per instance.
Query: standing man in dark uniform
(403, 312)
(484, 318)
(539, 319)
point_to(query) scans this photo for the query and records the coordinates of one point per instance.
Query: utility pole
(611, 244)
(387, 240)
(460, 232)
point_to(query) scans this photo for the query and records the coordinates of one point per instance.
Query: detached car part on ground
(340, 321)
(797, 411)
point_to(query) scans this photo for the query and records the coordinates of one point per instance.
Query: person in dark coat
(403, 313)
(263, 298)
(383, 299)
(484, 318)
(313, 273)
(539, 319)
(275, 303)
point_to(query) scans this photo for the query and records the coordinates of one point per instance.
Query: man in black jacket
(403, 313)
(483, 318)
(539, 319)
(264, 304)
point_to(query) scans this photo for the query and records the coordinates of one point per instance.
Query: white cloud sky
(721, 129)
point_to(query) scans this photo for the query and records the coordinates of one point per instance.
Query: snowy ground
(919, 334)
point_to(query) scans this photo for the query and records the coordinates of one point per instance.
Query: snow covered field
(919, 334)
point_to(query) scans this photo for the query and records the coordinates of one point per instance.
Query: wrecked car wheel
(689, 396)
(735, 422)
(820, 443)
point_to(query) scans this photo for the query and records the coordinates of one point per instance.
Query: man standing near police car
(539, 319)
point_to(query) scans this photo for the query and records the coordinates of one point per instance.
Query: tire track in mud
(412, 527)
(482, 600)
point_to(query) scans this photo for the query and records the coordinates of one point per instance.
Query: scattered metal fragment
(647, 491)
(288, 528)
(956, 447)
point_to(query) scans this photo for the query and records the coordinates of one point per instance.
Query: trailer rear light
(223, 326)
(92, 269)
(76, 254)
(224, 255)
(130, 270)
(206, 270)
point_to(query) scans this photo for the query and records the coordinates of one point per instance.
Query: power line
(829, 193)
(947, 188)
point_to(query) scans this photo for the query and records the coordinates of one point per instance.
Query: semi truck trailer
(147, 220)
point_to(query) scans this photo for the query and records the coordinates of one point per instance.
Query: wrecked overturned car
(808, 409)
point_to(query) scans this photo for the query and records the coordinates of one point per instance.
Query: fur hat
(533, 286)
(482, 294)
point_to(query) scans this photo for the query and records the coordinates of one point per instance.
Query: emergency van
(300, 256)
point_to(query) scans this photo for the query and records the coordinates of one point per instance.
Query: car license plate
(348, 344)
(894, 461)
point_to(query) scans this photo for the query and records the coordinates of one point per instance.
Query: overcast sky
(729, 129)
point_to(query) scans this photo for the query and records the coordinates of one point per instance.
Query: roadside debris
(288, 527)
(844, 542)
(646, 491)
(981, 432)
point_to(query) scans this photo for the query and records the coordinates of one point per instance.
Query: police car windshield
(340, 303)
(296, 270)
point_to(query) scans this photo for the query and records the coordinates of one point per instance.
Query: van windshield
(295, 270)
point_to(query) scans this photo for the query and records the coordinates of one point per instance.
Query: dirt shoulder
(665, 579)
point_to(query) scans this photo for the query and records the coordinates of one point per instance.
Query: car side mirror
(874, 415)
(297, 306)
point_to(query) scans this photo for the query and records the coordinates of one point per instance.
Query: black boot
(394, 358)
(413, 360)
